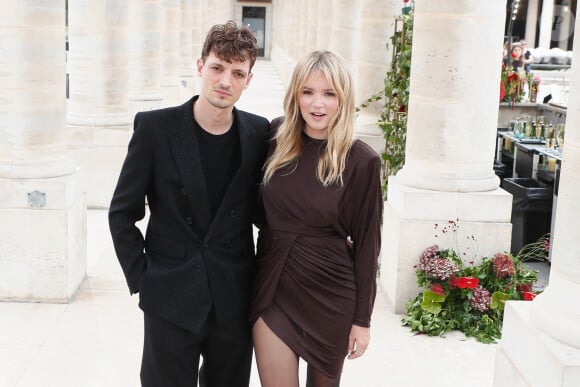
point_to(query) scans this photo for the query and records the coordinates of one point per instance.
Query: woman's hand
(358, 341)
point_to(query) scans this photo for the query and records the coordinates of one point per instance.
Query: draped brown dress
(311, 286)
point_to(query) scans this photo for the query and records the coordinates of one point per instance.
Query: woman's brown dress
(311, 286)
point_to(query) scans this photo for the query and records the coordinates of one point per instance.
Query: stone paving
(96, 339)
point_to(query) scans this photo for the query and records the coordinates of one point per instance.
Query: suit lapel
(185, 148)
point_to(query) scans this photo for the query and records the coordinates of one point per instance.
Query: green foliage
(469, 297)
(432, 302)
(395, 98)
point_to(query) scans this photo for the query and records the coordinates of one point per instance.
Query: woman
(517, 58)
(318, 246)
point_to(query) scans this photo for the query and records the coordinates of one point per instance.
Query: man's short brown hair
(231, 42)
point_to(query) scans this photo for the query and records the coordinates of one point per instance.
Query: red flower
(529, 296)
(437, 289)
(467, 282)
(523, 288)
(513, 77)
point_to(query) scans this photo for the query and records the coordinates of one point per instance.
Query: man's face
(222, 82)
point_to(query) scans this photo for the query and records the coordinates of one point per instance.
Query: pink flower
(432, 264)
(503, 266)
(481, 299)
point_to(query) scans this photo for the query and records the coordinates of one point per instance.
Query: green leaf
(498, 300)
(432, 302)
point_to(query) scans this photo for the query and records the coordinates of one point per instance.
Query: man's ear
(199, 66)
(250, 75)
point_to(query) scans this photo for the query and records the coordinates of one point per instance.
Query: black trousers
(171, 354)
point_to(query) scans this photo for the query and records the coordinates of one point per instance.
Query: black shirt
(220, 159)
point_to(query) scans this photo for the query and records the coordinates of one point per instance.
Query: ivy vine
(395, 98)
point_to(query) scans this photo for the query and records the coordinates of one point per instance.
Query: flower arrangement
(466, 296)
(511, 85)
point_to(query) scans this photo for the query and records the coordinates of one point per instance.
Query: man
(197, 165)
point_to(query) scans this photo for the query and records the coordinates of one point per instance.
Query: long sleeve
(365, 205)
(128, 206)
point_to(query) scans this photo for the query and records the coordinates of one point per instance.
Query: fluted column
(541, 341)
(144, 54)
(302, 19)
(325, 24)
(448, 172)
(170, 56)
(98, 111)
(206, 16)
(282, 42)
(345, 35)
(42, 211)
(223, 11)
(311, 41)
(98, 63)
(376, 27)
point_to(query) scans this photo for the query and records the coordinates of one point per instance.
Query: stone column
(301, 30)
(452, 117)
(144, 55)
(42, 211)
(546, 21)
(99, 64)
(312, 17)
(282, 40)
(540, 344)
(377, 25)
(170, 56)
(224, 11)
(198, 36)
(187, 63)
(98, 109)
(346, 32)
(531, 23)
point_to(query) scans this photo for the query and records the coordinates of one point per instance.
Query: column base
(105, 119)
(137, 105)
(409, 227)
(99, 152)
(528, 357)
(42, 243)
(367, 130)
(172, 94)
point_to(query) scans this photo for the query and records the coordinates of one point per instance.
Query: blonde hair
(340, 128)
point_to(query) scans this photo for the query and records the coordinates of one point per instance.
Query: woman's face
(318, 104)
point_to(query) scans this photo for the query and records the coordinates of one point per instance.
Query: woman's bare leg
(277, 363)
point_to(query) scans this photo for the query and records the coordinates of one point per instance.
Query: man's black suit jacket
(179, 274)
